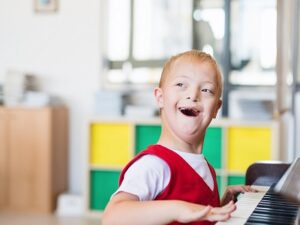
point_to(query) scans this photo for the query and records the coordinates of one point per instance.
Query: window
(253, 42)
(240, 34)
(142, 35)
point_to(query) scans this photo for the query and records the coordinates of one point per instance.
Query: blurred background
(86, 61)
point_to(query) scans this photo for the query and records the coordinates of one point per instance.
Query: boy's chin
(191, 138)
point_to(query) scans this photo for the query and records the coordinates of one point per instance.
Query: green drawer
(212, 148)
(236, 180)
(103, 185)
(146, 135)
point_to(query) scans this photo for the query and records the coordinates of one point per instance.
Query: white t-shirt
(150, 175)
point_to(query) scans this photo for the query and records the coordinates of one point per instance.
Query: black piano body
(276, 205)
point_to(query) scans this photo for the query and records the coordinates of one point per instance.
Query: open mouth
(189, 111)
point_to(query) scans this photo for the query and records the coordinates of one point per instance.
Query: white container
(70, 205)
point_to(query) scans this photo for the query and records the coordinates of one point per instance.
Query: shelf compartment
(110, 144)
(247, 145)
(236, 180)
(102, 185)
(145, 136)
(212, 148)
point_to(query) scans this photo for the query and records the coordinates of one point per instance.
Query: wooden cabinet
(33, 167)
(3, 159)
(229, 145)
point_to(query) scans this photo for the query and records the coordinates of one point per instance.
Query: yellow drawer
(247, 145)
(110, 144)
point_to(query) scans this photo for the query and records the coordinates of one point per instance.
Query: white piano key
(245, 205)
(233, 221)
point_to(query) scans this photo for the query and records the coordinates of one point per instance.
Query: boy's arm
(126, 209)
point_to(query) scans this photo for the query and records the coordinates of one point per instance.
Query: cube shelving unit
(229, 145)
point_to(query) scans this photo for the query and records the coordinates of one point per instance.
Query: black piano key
(263, 210)
(273, 210)
(271, 219)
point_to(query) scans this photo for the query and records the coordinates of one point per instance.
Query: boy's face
(189, 98)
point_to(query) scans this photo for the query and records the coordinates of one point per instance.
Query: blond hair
(196, 54)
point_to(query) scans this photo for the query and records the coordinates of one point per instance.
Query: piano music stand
(265, 173)
(289, 184)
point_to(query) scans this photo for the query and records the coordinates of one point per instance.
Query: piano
(275, 205)
(263, 207)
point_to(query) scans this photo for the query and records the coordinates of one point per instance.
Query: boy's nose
(194, 99)
(194, 95)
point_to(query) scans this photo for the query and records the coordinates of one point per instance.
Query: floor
(39, 219)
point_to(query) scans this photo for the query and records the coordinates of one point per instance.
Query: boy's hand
(232, 192)
(189, 212)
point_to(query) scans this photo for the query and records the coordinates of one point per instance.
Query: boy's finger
(219, 217)
(230, 207)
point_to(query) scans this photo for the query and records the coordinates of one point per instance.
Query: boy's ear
(158, 94)
(219, 104)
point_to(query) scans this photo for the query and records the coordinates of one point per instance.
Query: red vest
(185, 183)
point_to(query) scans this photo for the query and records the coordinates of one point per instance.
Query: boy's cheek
(215, 113)
(219, 104)
(160, 103)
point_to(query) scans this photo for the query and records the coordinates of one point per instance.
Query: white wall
(297, 128)
(63, 50)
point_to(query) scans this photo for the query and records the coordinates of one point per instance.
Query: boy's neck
(179, 145)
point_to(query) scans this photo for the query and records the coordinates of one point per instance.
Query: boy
(171, 182)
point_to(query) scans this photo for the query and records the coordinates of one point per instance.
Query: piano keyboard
(263, 207)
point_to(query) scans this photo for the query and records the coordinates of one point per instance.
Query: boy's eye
(179, 84)
(207, 90)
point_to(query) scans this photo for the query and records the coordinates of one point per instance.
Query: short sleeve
(146, 178)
